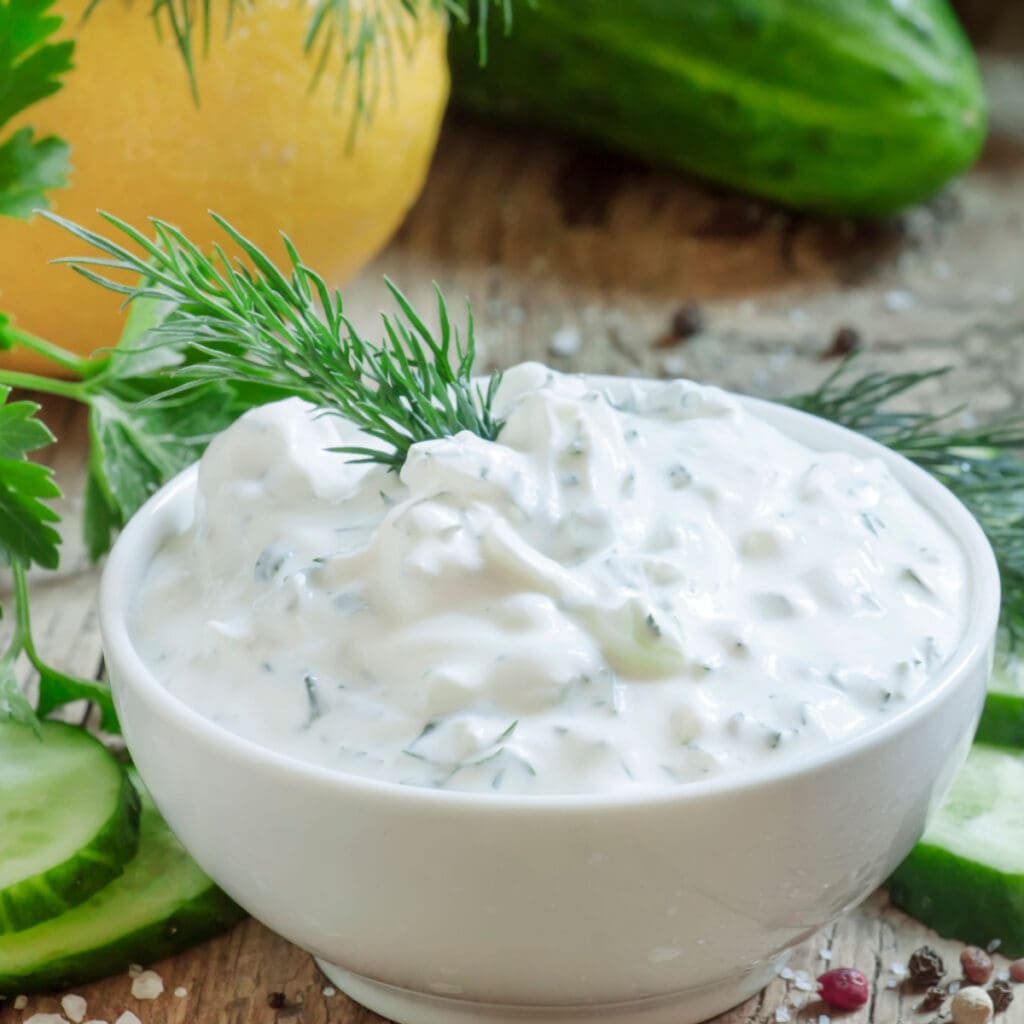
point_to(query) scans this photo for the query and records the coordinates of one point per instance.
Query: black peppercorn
(1002, 995)
(275, 1000)
(926, 967)
(933, 1000)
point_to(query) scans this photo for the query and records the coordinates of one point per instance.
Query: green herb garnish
(249, 323)
(360, 37)
(31, 66)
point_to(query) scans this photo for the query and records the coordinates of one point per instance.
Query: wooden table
(551, 240)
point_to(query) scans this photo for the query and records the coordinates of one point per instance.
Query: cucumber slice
(69, 821)
(162, 904)
(965, 878)
(1002, 721)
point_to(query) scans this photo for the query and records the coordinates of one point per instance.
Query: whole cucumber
(845, 106)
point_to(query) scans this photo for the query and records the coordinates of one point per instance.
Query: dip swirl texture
(643, 585)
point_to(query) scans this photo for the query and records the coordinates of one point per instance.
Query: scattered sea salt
(46, 1018)
(74, 1007)
(899, 969)
(786, 973)
(803, 984)
(147, 985)
(994, 945)
(954, 987)
(897, 300)
(824, 1018)
(891, 983)
(134, 970)
(782, 1015)
(1003, 974)
(127, 1018)
(825, 954)
(673, 365)
(181, 991)
(566, 341)
(20, 1002)
(330, 990)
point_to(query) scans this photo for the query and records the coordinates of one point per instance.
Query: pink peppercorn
(1017, 970)
(844, 988)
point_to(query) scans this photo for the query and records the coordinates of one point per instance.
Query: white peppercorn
(971, 1005)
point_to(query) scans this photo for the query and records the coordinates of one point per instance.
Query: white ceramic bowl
(435, 907)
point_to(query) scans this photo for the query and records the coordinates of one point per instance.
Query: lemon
(262, 148)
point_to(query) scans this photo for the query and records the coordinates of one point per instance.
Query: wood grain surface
(555, 242)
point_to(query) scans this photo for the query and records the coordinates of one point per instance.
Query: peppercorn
(845, 342)
(971, 1005)
(933, 1000)
(276, 1000)
(926, 967)
(1001, 993)
(844, 988)
(976, 964)
(687, 321)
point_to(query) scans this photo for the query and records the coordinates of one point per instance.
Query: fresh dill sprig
(244, 320)
(360, 37)
(983, 464)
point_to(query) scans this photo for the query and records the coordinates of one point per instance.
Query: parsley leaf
(26, 523)
(28, 537)
(31, 67)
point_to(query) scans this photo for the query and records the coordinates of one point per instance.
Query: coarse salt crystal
(897, 300)
(20, 1002)
(147, 985)
(181, 991)
(134, 970)
(803, 984)
(74, 1007)
(954, 987)
(330, 990)
(566, 341)
(786, 973)
(46, 1018)
(1003, 974)
(994, 945)
(824, 1018)
(898, 968)
(127, 1018)
(892, 984)
(782, 1015)
(825, 954)
(673, 365)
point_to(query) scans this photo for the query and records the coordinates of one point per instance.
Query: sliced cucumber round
(69, 820)
(1002, 721)
(965, 878)
(161, 904)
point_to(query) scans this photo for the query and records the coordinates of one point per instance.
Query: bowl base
(405, 1006)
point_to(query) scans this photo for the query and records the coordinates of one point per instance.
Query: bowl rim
(152, 524)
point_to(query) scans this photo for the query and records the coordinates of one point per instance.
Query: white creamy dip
(646, 585)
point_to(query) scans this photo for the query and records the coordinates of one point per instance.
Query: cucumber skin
(65, 885)
(1002, 721)
(974, 895)
(841, 106)
(209, 914)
